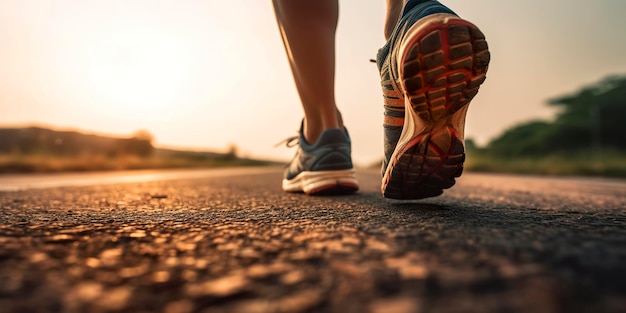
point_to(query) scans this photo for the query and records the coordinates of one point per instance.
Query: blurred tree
(231, 152)
(470, 144)
(525, 139)
(143, 134)
(589, 120)
(599, 111)
(139, 144)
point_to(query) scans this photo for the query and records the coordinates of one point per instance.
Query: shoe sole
(323, 182)
(443, 60)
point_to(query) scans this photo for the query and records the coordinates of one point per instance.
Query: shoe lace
(289, 142)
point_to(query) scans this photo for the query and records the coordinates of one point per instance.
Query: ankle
(313, 132)
(313, 128)
(394, 8)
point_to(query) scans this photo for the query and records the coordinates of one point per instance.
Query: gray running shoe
(322, 168)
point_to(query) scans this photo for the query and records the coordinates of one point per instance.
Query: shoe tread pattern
(444, 69)
(442, 72)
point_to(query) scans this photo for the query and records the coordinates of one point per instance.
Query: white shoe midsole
(310, 181)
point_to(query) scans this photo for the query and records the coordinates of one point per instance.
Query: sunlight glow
(205, 74)
(138, 72)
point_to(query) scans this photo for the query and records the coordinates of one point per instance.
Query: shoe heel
(442, 63)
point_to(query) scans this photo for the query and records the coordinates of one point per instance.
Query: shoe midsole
(312, 180)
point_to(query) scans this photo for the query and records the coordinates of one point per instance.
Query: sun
(138, 72)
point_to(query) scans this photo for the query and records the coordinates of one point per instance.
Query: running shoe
(431, 68)
(323, 168)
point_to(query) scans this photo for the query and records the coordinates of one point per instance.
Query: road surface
(233, 242)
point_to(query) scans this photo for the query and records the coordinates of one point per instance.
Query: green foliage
(607, 163)
(590, 120)
(600, 110)
(525, 139)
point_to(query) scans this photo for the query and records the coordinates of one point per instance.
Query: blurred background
(212, 77)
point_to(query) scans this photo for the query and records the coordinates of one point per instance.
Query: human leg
(394, 8)
(308, 31)
(322, 164)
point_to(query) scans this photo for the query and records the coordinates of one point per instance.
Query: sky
(206, 74)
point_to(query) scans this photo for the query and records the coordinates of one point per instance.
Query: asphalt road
(236, 243)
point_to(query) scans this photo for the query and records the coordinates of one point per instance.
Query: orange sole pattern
(443, 61)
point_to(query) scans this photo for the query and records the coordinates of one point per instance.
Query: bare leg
(394, 8)
(308, 31)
